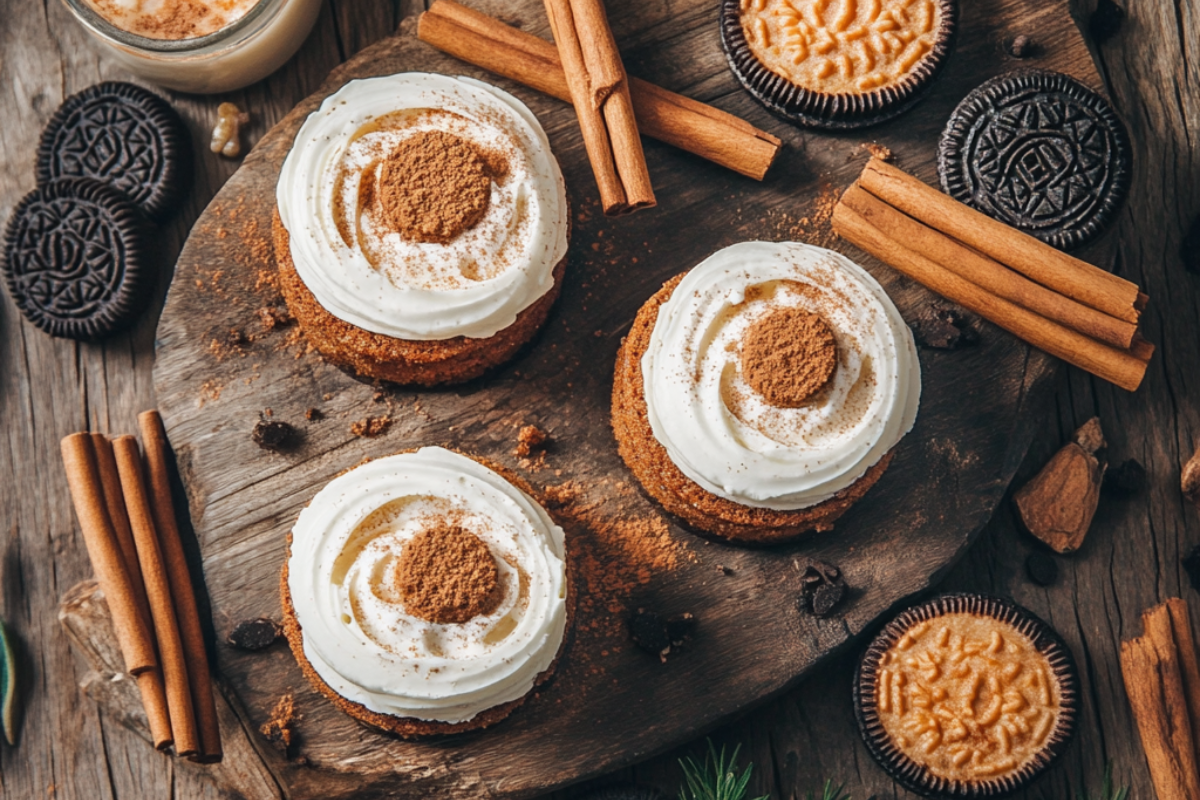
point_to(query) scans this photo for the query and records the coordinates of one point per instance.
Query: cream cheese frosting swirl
(357, 635)
(722, 434)
(370, 276)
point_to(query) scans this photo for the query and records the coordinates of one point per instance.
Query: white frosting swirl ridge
(358, 637)
(370, 276)
(722, 434)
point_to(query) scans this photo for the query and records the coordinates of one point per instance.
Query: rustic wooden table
(48, 388)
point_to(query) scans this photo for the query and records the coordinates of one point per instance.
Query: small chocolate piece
(274, 435)
(1041, 152)
(1126, 479)
(255, 634)
(1189, 251)
(1021, 47)
(623, 791)
(1191, 565)
(1041, 569)
(1105, 21)
(122, 135)
(940, 327)
(75, 259)
(822, 588)
(649, 632)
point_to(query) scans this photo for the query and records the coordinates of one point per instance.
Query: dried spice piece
(278, 728)
(226, 136)
(941, 327)
(1058, 504)
(1126, 479)
(658, 635)
(1041, 569)
(1189, 251)
(1191, 565)
(1021, 47)
(1105, 21)
(314, 415)
(8, 687)
(255, 634)
(1190, 479)
(370, 427)
(529, 439)
(274, 435)
(822, 588)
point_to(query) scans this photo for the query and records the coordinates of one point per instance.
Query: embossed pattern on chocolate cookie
(73, 259)
(122, 135)
(1039, 151)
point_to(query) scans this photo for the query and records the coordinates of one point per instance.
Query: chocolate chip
(1105, 21)
(649, 632)
(1041, 569)
(1021, 47)
(274, 435)
(1126, 479)
(943, 328)
(1190, 250)
(1191, 565)
(254, 634)
(826, 598)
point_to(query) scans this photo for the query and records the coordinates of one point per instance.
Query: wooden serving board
(219, 365)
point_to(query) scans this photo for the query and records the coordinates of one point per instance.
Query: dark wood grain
(609, 704)
(49, 388)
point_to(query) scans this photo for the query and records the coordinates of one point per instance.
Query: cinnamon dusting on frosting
(788, 356)
(435, 185)
(448, 575)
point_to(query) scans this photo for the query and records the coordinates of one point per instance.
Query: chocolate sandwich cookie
(122, 135)
(837, 65)
(966, 696)
(74, 261)
(1041, 152)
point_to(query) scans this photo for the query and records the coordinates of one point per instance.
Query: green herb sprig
(716, 778)
(829, 792)
(1107, 790)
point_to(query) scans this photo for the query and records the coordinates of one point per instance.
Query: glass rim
(93, 20)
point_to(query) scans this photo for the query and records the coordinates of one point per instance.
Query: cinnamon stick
(679, 121)
(114, 500)
(154, 438)
(87, 494)
(158, 589)
(1036, 260)
(1189, 665)
(600, 94)
(988, 273)
(1113, 365)
(154, 700)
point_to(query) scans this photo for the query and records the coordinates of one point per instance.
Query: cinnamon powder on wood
(788, 356)
(435, 185)
(447, 575)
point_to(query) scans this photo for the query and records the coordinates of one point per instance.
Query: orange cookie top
(841, 46)
(968, 697)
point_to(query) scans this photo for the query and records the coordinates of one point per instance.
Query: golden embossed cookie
(837, 63)
(966, 696)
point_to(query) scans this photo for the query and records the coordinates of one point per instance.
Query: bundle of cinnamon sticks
(1162, 679)
(123, 502)
(679, 121)
(1057, 303)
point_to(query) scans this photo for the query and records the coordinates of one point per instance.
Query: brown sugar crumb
(448, 575)
(370, 427)
(278, 727)
(434, 186)
(314, 414)
(787, 356)
(272, 317)
(529, 439)
(880, 151)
